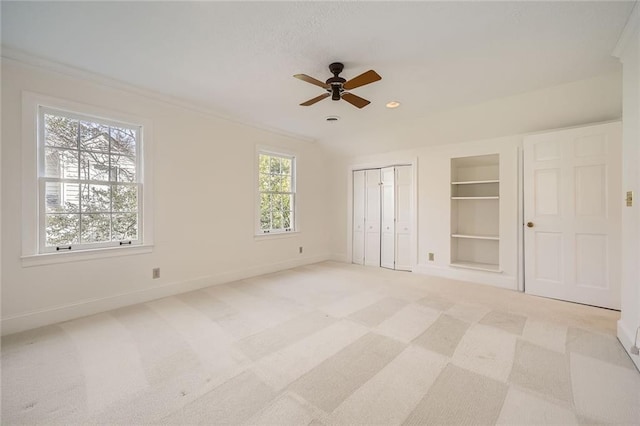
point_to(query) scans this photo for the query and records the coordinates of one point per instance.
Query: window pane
(94, 136)
(274, 166)
(265, 219)
(286, 219)
(94, 166)
(286, 166)
(95, 198)
(61, 229)
(286, 183)
(60, 163)
(277, 200)
(125, 198)
(96, 228)
(264, 182)
(60, 131)
(276, 185)
(62, 197)
(265, 202)
(125, 227)
(263, 163)
(123, 141)
(287, 202)
(276, 216)
(123, 168)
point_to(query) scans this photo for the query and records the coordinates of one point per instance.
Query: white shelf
(475, 227)
(489, 267)
(493, 197)
(475, 182)
(476, 237)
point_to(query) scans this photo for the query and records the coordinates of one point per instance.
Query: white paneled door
(388, 253)
(572, 209)
(358, 216)
(372, 218)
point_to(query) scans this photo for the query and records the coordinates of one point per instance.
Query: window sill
(81, 255)
(275, 236)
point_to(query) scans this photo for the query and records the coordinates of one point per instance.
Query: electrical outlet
(432, 257)
(300, 249)
(155, 273)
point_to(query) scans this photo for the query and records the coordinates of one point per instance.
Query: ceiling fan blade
(364, 78)
(316, 99)
(354, 100)
(311, 80)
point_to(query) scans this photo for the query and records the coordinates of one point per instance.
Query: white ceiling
(238, 58)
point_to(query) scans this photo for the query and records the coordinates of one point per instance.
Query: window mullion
(80, 208)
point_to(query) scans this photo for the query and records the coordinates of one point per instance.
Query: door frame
(413, 162)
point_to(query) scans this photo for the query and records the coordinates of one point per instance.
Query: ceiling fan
(337, 87)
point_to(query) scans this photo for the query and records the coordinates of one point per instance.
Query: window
(89, 182)
(276, 187)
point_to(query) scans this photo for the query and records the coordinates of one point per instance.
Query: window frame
(282, 153)
(34, 250)
(43, 180)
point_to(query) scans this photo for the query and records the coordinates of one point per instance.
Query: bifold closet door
(372, 218)
(358, 216)
(387, 250)
(403, 218)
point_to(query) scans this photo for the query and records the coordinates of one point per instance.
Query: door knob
(530, 224)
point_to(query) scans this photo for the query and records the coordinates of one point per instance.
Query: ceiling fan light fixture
(393, 104)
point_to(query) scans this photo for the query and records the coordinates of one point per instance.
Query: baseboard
(86, 307)
(480, 277)
(339, 257)
(626, 338)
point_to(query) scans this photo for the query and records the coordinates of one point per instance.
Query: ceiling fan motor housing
(335, 81)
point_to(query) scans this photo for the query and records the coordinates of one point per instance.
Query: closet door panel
(387, 252)
(403, 218)
(372, 218)
(358, 216)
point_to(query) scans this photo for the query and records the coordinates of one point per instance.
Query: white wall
(204, 207)
(628, 51)
(493, 127)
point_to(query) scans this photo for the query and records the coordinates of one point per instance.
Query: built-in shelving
(476, 198)
(474, 182)
(476, 237)
(475, 202)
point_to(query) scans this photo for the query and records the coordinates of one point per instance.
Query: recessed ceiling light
(332, 118)
(393, 104)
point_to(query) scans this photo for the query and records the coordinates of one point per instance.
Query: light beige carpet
(326, 344)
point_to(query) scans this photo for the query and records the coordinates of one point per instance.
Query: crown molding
(22, 57)
(631, 29)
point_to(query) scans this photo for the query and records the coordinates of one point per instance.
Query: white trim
(413, 162)
(86, 307)
(631, 27)
(626, 338)
(82, 255)
(31, 103)
(35, 61)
